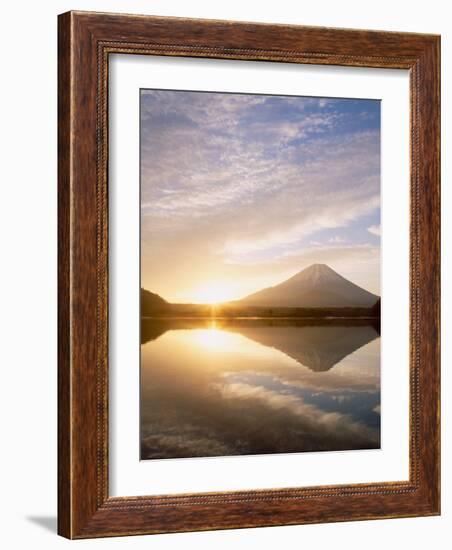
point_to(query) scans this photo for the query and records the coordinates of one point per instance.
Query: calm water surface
(250, 386)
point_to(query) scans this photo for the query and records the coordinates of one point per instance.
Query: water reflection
(253, 386)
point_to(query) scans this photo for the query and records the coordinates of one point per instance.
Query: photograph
(259, 274)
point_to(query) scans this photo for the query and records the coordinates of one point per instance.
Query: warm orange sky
(240, 192)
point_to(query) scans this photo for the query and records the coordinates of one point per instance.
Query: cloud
(375, 230)
(336, 240)
(318, 215)
(314, 419)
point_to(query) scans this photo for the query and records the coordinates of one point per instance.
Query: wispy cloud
(374, 229)
(336, 240)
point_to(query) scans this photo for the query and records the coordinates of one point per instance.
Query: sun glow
(214, 293)
(214, 339)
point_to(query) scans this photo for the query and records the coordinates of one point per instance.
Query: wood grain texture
(85, 42)
(64, 297)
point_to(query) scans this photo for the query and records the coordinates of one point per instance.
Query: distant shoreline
(154, 306)
(154, 326)
(287, 317)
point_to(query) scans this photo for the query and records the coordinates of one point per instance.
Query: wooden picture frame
(85, 42)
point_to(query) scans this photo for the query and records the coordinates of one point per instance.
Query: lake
(221, 387)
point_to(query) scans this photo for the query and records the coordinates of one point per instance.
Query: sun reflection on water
(213, 338)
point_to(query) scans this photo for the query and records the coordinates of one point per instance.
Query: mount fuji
(316, 286)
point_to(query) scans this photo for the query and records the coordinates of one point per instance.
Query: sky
(239, 192)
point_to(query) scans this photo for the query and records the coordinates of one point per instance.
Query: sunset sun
(214, 293)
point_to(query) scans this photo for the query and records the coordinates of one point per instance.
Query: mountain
(151, 302)
(317, 348)
(315, 286)
(376, 309)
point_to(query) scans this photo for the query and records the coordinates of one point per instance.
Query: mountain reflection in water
(253, 386)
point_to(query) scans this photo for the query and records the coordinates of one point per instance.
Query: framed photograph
(248, 275)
